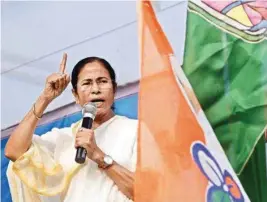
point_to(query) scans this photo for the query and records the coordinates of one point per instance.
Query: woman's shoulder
(66, 130)
(62, 131)
(125, 126)
(126, 121)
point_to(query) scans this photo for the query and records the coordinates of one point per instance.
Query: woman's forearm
(21, 138)
(123, 178)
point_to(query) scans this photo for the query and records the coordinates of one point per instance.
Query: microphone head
(89, 110)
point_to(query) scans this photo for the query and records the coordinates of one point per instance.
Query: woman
(46, 163)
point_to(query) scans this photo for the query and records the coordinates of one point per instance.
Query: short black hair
(80, 65)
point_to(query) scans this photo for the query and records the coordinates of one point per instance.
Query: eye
(86, 83)
(104, 81)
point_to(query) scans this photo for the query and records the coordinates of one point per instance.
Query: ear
(115, 86)
(76, 97)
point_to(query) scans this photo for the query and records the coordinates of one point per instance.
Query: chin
(101, 111)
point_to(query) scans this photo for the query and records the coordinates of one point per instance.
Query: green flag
(225, 61)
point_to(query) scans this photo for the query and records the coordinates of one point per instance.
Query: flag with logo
(179, 156)
(229, 78)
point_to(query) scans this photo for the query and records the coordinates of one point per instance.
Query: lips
(98, 101)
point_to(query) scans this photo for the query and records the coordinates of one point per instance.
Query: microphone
(89, 112)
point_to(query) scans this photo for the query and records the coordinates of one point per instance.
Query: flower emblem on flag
(222, 186)
(246, 19)
(252, 13)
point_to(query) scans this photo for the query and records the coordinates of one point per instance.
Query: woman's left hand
(86, 138)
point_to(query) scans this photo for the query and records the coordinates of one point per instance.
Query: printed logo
(222, 186)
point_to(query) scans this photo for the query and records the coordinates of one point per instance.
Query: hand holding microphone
(85, 139)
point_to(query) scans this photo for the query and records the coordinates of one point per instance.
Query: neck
(99, 119)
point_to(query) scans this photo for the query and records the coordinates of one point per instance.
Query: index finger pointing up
(63, 64)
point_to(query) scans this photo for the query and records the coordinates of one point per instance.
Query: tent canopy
(35, 35)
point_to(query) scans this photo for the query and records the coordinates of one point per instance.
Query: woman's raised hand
(56, 83)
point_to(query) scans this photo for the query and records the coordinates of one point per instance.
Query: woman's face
(95, 85)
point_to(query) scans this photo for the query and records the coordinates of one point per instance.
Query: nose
(95, 88)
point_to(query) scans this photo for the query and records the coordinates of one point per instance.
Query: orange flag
(165, 170)
(173, 161)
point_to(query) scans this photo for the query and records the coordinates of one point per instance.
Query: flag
(225, 61)
(179, 157)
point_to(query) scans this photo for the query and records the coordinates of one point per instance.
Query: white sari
(48, 172)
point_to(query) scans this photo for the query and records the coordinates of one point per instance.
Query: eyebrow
(98, 78)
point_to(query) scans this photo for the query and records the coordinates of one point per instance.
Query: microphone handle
(81, 152)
